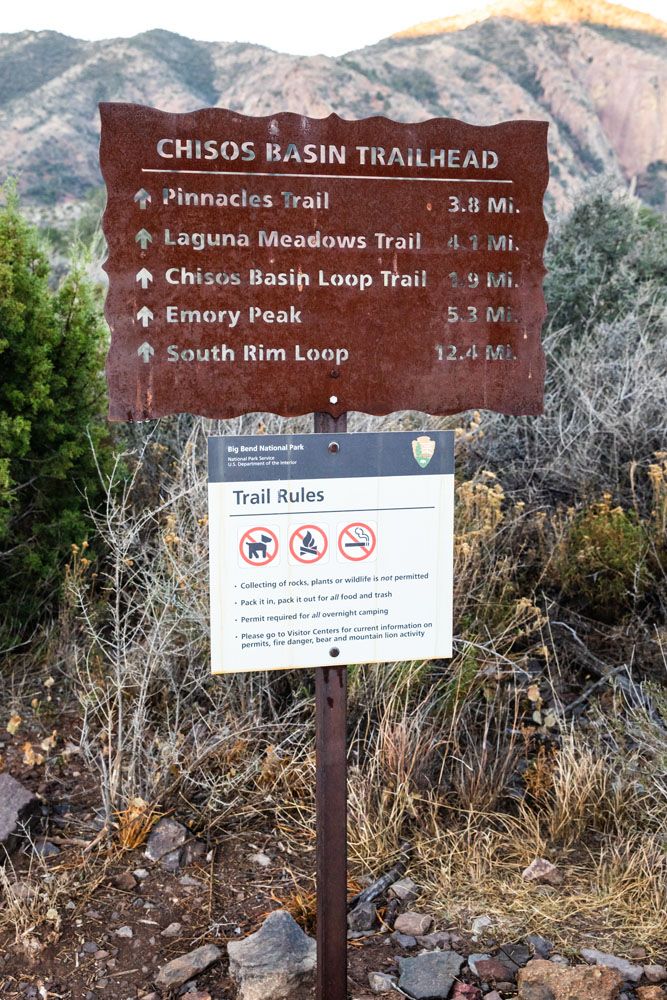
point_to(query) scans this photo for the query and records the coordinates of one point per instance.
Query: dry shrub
(34, 903)
(604, 413)
(602, 559)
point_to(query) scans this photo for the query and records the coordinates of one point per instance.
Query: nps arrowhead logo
(423, 449)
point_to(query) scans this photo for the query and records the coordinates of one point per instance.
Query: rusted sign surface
(294, 265)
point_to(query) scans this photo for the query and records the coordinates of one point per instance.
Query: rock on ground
(17, 804)
(543, 872)
(380, 982)
(494, 970)
(362, 917)
(630, 972)
(650, 993)
(655, 973)
(429, 976)
(274, 962)
(175, 973)
(474, 959)
(165, 842)
(413, 924)
(405, 889)
(542, 980)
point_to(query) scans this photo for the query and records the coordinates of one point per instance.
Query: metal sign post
(331, 805)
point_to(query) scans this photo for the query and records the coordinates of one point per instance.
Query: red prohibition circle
(297, 535)
(363, 553)
(259, 545)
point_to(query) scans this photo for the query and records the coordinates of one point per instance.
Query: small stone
(650, 993)
(539, 945)
(429, 976)
(362, 917)
(474, 959)
(494, 970)
(413, 924)
(405, 889)
(438, 939)
(183, 968)
(630, 972)
(141, 873)
(17, 806)
(124, 932)
(559, 960)
(466, 991)
(406, 941)
(655, 973)
(518, 953)
(541, 980)
(101, 955)
(198, 995)
(542, 872)
(637, 953)
(358, 935)
(493, 995)
(89, 947)
(172, 930)
(261, 859)
(380, 982)
(275, 962)
(165, 842)
(480, 925)
(189, 882)
(45, 849)
(124, 881)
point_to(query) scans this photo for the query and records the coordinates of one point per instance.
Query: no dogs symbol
(258, 546)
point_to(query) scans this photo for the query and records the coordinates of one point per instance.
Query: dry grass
(446, 756)
(35, 903)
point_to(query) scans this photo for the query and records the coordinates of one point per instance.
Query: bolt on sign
(326, 548)
(294, 265)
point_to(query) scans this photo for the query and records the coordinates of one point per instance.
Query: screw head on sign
(333, 399)
(334, 447)
(334, 651)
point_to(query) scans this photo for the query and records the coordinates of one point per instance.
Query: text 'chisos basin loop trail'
(293, 265)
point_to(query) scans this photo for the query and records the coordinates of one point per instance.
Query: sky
(299, 26)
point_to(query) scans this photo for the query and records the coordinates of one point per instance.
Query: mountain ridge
(596, 12)
(602, 121)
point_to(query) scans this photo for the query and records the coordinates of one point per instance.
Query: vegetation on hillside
(53, 435)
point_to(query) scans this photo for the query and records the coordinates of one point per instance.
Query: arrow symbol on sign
(144, 316)
(145, 352)
(143, 197)
(144, 238)
(143, 277)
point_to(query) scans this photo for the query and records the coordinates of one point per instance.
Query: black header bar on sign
(330, 456)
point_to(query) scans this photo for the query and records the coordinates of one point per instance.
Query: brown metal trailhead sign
(294, 265)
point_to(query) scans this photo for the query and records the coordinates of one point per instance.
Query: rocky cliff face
(597, 73)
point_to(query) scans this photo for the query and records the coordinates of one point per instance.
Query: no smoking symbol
(357, 541)
(308, 544)
(258, 546)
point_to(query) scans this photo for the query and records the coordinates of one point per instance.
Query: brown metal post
(331, 795)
